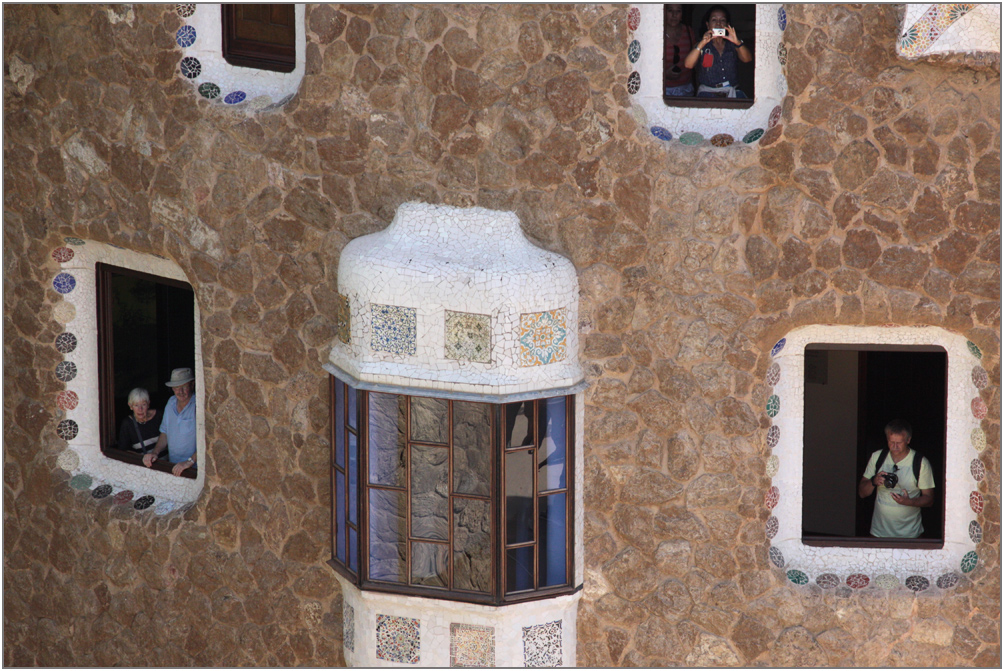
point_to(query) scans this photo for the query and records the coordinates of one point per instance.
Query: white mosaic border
(978, 30)
(169, 491)
(959, 481)
(771, 84)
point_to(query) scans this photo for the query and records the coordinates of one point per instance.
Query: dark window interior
(146, 329)
(743, 18)
(260, 36)
(851, 392)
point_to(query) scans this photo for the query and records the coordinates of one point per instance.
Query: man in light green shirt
(897, 507)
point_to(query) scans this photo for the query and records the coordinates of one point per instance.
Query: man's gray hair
(138, 394)
(900, 427)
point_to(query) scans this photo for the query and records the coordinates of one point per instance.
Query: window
(260, 36)
(454, 499)
(146, 326)
(851, 392)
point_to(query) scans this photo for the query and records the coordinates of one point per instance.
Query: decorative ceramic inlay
(143, 502)
(67, 429)
(978, 470)
(64, 283)
(753, 135)
(886, 581)
(235, 97)
(782, 53)
(722, 140)
(349, 626)
(772, 465)
(542, 645)
(64, 313)
(857, 581)
(979, 408)
(975, 532)
(917, 583)
(634, 51)
(774, 118)
(979, 439)
(101, 491)
(691, 138)
(68, 460)
(393, 329)
(948, 581)
(125, 496)
(776, 557)
(76, 242)
(633, 83)
(976, 502)
(343, 318)
(634, 18)
(980, 379)
(472, 645)
(773, 374)
(397, 639)
(81, 481)
(542, 337)
(773, 436)
(185, 10)
(974, 349)
(190, 67)
(772, 497)
(771, 526)
(66, 371)
(798, 577)
(947, 28)
(661, 133)
(66, 343)
(468, 337)
(773, 405)
(67, 400)
(62, 254)
(782, 18)
(778, 346)
(827, 580)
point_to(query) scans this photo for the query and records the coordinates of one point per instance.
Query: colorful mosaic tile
(634, 51)
(773, 405)
(67, 429)
(64, 313)
(976, 502)
(235, 97)
(948, 581)
(773, 375)
(919, 37)
(774, 118)
(542, 337)
(772, 465)
(776, 557)
(101, 491)
(185, 10)
(828, 580)
(771, 498)
(62, 254)
(979, 408)
(191, 67)
(64, 283)
(975, 532)
(661, 133)
(886, 581)
(974, 349)
(773, 436)
(778, 346)
(722, 140)
(472, 645)
(634, 18)
(143, 502)
(798, 577)
(978, 470)
(753, 135)
(468, 337)
(691, 138)
(81, 481)
(782, 18)
(857, 581)
(969, 561)
(70, 240)
(980, 379)
(185, 37)
(397, 639)
(66, 343)
(917, 583)
(209, 90)
(125, 496)
(633, 83)
(349, 627)
(343, 318)
(67, 400)
(68, 460)
(542, 644)
(782, 53)
(66, 371)
(394, 329)
(772, 526)
(979, 439)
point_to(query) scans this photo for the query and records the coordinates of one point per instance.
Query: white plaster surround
(958, 481)
(435, 258)
(169, 491)
(771, 84)
(977, 30)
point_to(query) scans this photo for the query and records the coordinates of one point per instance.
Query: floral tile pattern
(468, 337)
(394, 329)
(542, 645)
(66, 343)
(542, 337)
(343, 319)
(472, 645)
(922, 35)
(64, 283)
(62, 254)
(827, 580)
(397, 639)
(917, 583)
(349, 627)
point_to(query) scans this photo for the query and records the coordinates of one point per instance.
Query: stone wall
(875, 200)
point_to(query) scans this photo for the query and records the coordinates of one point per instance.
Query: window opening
(260, 36)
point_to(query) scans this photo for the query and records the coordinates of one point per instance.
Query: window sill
(870, 542)
(162, 465)
(694, 101)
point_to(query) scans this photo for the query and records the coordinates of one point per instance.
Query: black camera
(890, 480)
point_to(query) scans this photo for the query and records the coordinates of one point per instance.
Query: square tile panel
(542, 337)
(394, 329)
(468, 336)
(542, 645)
(472, 645)
(397, 639)
(342, 321)
(349, 627)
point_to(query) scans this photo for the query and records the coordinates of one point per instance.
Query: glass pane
(519, 496)
(552, 540)
(340, 423)
(429, 564)
(340, 516)
(518, 424)
(519, 569)
(472, 545)
(428, 419)
(353, 550)
(551, 453)
(388, 533)
(430, 502)
(353, 408)
(472, 443)
(353, 479)
(387, 439)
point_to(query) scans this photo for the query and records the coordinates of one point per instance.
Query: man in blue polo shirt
(177, 428)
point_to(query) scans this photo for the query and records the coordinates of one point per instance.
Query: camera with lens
(891, 479)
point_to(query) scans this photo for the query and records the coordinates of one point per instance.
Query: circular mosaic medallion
(634, 18)
(776, 558)
(948, 581)
(67, 400)
(753, 135)
(62, 254)
(64, 283)
(143, 502)
(798, 577)
(773, 435)
(186, 10)
(191, 67)
(634, 82)
(662, 133)
(976, 502)
(102, 491)
(917, 583)
(978, 470)
(979, 408)
(782, 18)
(235, 97)
(66, 343)
(76, 242)
(975, 532)
(634, 51)
(771, 498)
(66, 371)
(68, 460)
(81, 481)
(887, 581)
(640, 115)
(722, 140)
(185, 37)
(773, 405)
(772, 465)
(209, 90)
(979, 439)
(64, 313)
(980, 379)
(828, 580)
(974, 349)
(775, 116)
(782, 53)
(125, 496)
(773, 374)
(778, 346)
(691, 138)
(969, 561)
(67, 429)
(772, 525)
(857, 581)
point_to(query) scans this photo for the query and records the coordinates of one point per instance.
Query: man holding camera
(901, 493)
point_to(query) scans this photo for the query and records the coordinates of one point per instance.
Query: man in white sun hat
(177, 428)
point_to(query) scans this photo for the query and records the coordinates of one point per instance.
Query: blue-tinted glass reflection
(353, 550)
(551, 455)
(339, 423)
(340, 516)
(519, 569)
(519, 495)
(353, 408)
(553, 541)
(353, 479)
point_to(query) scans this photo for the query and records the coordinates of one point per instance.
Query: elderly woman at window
(138, 432)
(717, 55)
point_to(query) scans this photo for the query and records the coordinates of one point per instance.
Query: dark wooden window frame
(251, 53)
(107, 431)
(496, 499)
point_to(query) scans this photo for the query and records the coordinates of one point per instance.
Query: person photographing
(716, 57)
